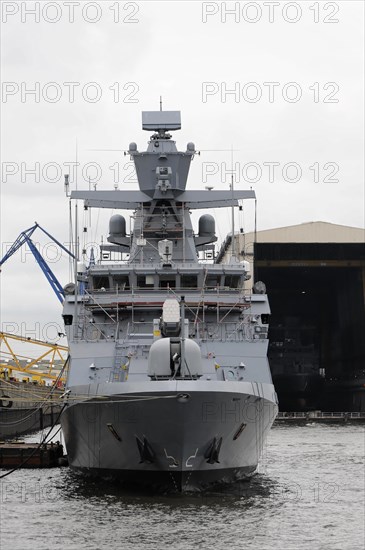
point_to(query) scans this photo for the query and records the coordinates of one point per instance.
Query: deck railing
(310, 415)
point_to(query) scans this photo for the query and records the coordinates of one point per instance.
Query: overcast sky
(279, 82)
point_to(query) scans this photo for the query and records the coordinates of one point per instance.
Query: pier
(31, 455)
(319, 416)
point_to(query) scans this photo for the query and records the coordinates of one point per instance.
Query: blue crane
(25, 237)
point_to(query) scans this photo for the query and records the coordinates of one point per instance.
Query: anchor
(145, 451)
(212, 454)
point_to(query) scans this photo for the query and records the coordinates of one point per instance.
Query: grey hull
(166, 441)
(171, 482)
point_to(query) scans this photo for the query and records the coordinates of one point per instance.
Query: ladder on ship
(118, 374)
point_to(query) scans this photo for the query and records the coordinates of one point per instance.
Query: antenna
(255, 244)
(160, 102)
(233, 248)
(76, 251)
(67, 185)
(232, 207)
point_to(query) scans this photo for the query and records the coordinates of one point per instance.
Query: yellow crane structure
(29, 365)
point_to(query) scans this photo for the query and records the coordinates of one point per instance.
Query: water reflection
(251, 492)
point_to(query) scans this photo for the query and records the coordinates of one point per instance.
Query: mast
(75, 323)
(232, 210)
(162, 201)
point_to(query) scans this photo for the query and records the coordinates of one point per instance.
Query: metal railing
(320, 415)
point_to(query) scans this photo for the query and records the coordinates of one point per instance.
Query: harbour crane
(25, 238)
(42, 366)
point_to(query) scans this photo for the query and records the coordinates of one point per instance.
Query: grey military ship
(169, 385)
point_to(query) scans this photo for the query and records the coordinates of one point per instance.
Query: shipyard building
(315, 278)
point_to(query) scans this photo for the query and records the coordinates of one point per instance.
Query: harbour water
(308, 494)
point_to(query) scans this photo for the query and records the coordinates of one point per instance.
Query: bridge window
(101, 282)
(232, 281)
(121, 281)
(145, 281)
(167, 282)
(212, 281)
(189, 281)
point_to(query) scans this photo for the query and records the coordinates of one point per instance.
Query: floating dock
(31, 455)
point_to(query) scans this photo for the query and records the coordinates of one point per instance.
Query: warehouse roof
(311, 232)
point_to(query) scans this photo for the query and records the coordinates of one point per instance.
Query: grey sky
(170, 51)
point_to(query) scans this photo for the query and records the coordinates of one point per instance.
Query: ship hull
(175, 441)
(166, 482)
